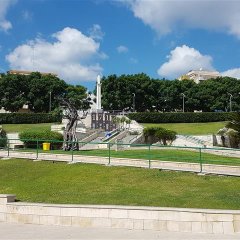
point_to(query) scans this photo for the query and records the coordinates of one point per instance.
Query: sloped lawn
(94, 184)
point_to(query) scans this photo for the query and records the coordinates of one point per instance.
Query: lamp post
(230, 101)
(50, 101)
(183, 101)
(133, 101)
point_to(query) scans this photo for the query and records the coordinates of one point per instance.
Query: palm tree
(122, 121)
(128, 121)
(235, 122)
(234, 131)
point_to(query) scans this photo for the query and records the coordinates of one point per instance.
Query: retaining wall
(124, 217)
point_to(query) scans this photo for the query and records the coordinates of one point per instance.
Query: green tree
(41, 89)
(13, 92)
(78, 97)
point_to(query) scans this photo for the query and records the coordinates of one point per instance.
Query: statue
(69, 136)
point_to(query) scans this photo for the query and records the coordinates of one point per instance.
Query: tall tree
(13, 92)
(78, 97)
(44, 89)
(75, 102)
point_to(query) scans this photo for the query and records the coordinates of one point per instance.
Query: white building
(23, 72)
(199, 75)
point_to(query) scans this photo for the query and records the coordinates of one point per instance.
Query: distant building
(199, 75)
(24, 109)
(21, 72)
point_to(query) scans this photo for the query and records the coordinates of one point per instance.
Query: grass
(175, 155)
(9, 128)
(180, 128)
(190, 128)
(94, 184)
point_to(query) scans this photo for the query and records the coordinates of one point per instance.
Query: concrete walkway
(29, 231)
(157, 164)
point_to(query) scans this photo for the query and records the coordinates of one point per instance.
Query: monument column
(99, 95)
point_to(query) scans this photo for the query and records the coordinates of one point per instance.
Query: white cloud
(133, 60)
(96, 32)
(27, 15)
(72, 55)
(166, 16)
(183, 59)
(235, 73)
(5, 25)
(122, 49)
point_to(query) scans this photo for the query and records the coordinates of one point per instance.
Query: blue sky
(79, 39)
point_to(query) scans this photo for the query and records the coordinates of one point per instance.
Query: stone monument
(99, 94)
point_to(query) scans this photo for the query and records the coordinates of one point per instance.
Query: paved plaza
(29, 231)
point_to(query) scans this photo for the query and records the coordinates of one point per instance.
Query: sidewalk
(28, 231)
(113, 161)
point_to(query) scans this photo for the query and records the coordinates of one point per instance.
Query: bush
(6, 118)
(3, 138)
(30, 138)
(188, 117)
(155, 134)
(165, 136)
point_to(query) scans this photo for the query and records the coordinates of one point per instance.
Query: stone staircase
(193, 141)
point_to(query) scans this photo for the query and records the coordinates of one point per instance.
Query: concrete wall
(120, 136)
(89, 138)
(14, 141)
(125, 217)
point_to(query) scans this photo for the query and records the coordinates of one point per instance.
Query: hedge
(9, 118)
(187, 117)
(30, 138)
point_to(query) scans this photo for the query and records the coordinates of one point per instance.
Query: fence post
(8, 147)
(109, 153)
(149, 156)
(37, 150)
(200, 159)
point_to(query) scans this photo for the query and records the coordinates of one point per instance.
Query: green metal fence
(142, 155)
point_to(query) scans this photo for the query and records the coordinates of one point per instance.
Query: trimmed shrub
(155, 134)
(3, 138)
(30, 138)
(188, 117)
(165, 136)
(10, 118)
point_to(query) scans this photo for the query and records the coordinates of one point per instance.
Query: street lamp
(230, 101)
(133, 101)
(50, 101)
(183, 100)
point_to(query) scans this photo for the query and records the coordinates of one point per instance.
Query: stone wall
(125, 217)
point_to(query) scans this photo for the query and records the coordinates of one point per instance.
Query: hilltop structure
(199, 75)
(22, 72)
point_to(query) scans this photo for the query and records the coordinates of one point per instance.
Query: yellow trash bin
(46, 146)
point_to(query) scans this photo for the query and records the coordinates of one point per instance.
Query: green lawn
(94, 184)
(21, 127)
(190, 128)
(175, 155)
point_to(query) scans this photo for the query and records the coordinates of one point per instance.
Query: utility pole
(50, 101)
(230, 101)
(183, 101)
(134, 102)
